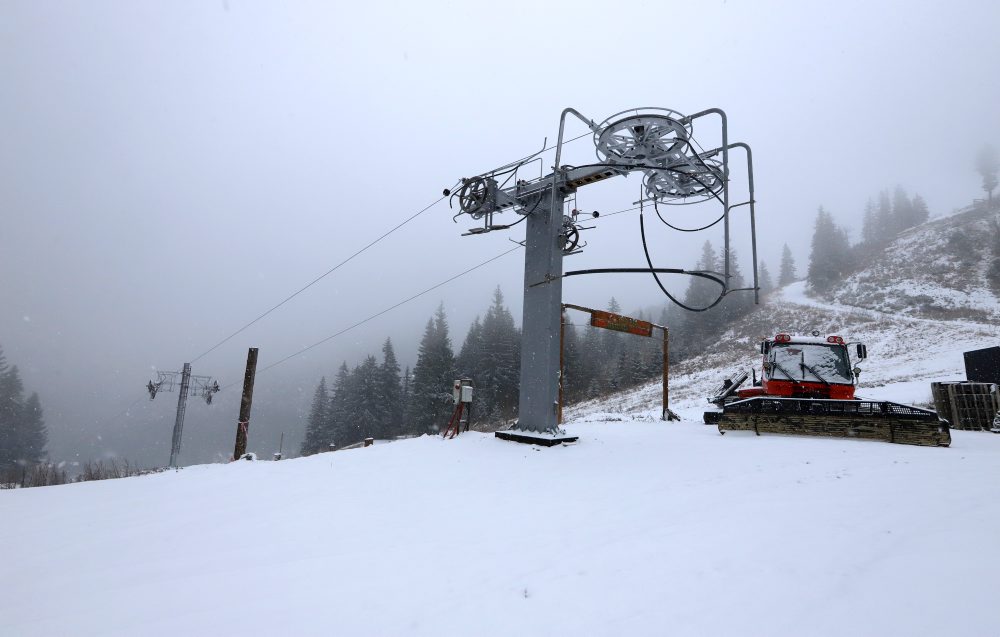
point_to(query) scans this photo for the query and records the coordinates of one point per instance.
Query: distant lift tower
(653, 141)
(204, 386)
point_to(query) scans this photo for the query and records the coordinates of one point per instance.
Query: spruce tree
(340, 428)
(610, 352)
(6, 416)
(597, 377)
(739, 304)
(317, 421)
(920, 212)
(885, 227)
(988, 165)
(786, 274)
(701, 293)
(902, 211)
(470, 362)
(23, 435)
(575, 375)
(431, 401)
(404, 400)
(364, 405)
(11, 411)
(829, 261)
(34, 436)
(764, 280)
(870, 236)
(390, 392)
(501, 365)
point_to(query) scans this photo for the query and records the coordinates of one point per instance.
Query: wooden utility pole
(243, 425)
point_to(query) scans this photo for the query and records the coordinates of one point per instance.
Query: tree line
(832, 257)
(23, 435)
(375, 400)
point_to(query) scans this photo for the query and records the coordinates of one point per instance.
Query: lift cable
(320, 277)
(107, 421)
(386, 310)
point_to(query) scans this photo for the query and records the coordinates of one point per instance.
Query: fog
(171, 170)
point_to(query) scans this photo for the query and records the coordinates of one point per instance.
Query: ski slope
(642, 528)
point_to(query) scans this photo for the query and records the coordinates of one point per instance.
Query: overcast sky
(170, 170)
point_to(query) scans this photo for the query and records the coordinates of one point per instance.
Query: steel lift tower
(655, 141)
(203, 386)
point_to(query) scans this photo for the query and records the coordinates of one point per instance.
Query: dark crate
(983, 365)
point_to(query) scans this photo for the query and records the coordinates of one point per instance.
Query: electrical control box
(461, 390)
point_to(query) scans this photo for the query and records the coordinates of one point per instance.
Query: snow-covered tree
(317, 422)
(501, 368)
(431, 399)
(786, 273)
(34, 436)
(919, 209)
(390, 392)
(831, 253)
(902, 211)
(23, 434)
(764, 279)
(869, 229)
(342, 431)
(885, 227)
(988, 165)
(364, 403)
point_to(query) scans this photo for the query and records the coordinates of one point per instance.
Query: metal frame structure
(655, 141)
(203, 386)
(643, 328)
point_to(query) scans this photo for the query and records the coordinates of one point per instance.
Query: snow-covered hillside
(918, 305)
(935, 270)
(905, 354)
(642, 528)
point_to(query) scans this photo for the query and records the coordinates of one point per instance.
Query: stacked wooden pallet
(967, 405)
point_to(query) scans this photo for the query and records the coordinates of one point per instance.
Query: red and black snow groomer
(807, 387)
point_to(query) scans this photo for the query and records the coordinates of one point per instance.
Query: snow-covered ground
(643, 528)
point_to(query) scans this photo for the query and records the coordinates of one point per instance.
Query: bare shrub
(38, 475)
(111, 469)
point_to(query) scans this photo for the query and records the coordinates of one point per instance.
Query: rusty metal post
(666, 375)
(667, 414)
(562, 360)
(243, 425)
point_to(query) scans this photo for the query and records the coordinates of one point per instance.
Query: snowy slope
(935, 270)
(918, 304)
(643, 528)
